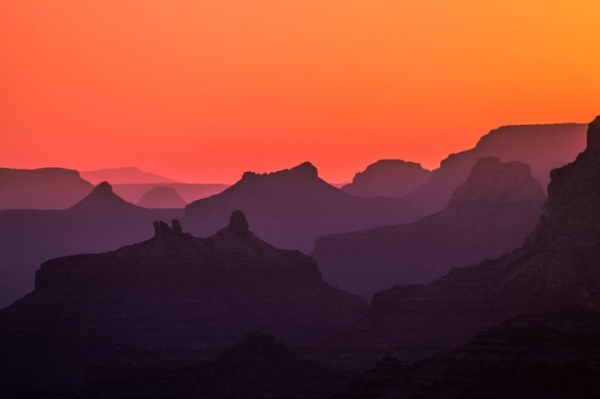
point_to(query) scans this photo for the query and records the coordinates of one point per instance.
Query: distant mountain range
(543, 147)
(387, 178)
(525, 325)
(290, 208)
(124, 175)
(488, 215)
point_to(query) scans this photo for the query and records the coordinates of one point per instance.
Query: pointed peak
(238, 222)
(306, 168)
(103, 188)
(161, 228)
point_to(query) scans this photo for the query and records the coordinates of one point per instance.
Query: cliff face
(47, 188)
(556, 267)
(488, 215)
(543, 147)
(174, 293)
(290, 208)
(387, 178)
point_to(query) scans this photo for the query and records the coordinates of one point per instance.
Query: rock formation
(387, 178)
(555, 268)
(543, 147)
(488, 215)
(172, 294)
(162, 197)
(290, 208)
(47, 188)
(99, 222)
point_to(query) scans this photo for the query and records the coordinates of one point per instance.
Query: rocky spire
(238, 222)
(161, 228)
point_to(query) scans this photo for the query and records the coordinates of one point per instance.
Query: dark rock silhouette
(47, 188)
(173, 293)
(99, 222)
(490, 214)
(551, 354)
(290, 208)
(555, 268)
(387, 178)
(162, 197)
(543, 147)
(125, 175)
(256, 367)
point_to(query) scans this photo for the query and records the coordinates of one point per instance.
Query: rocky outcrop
(174, 293)
(162, 197)
(555, 268)
(488, 215)
(290, 208)
(47, 188)
(387, 178)
(543, 147)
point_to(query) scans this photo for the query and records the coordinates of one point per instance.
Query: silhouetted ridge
(45, 188)
(543, 147)
(489, 214)
(387, 178)
(491, 181)
(556, 267)
(546, 296)
(291, 207)
(305, 170)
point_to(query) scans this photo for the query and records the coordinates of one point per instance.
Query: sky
(202, 91)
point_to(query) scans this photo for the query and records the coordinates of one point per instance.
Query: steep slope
(387, 178)
(556, 267)
(490, 214)
(47, 188)
(162, 197)
(131, 175)
(543, 147)
(290, 208)
(97, 223)
(173, 294)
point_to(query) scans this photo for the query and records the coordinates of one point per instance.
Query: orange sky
(204, 90)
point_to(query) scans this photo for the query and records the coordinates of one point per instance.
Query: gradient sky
(201, 91)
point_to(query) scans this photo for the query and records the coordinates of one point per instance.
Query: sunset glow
(201, 91)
